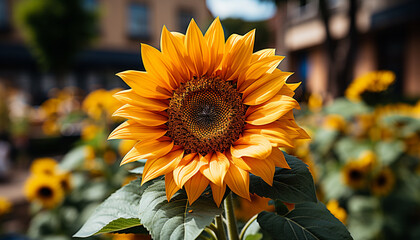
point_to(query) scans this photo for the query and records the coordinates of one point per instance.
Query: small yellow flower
(337, 211)
(377, 81)
(100, 104)
(50, 127)
(65, 181)
(45, 166)
(383, 182)
(354, 174)
(89, 132)
(5, 206)
(335, 122)
(368, 159)
(315, 102)
(45, 190)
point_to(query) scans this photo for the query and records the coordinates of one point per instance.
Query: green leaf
(293, 185)
(175, 219)
(365, 218)
(388, 152)
(119, 211)
(307, 221)
(347, 108)
(349, 149)
(74, 159)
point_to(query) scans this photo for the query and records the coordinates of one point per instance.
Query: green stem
(221, 234)
(230, 217)
(211, 233)
(250, 221)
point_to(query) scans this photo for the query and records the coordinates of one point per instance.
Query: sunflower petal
(251, 145)
(271, 110)
(196, 186)
(187, 168)
(141, 116)
(147, 150)
(170, 186)
(273, 133)
(132, 130)
(129, 96)
(216, 42)
(237, 180)
(278, 158)
(216, 168)
(218, 192)
(197, 49)
(262, 168)
(160, 166)
(263, 54)
(143, 84)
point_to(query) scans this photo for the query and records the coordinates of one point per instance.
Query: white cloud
(251, 10)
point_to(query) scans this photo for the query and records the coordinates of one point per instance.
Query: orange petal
(144, 84)
(218, 192)
(132, 130)
(141, 116)
(263, 54)
(265, 88)
(277, 157)
(170, 186)
(262, 168)
(237, 180)
(130, 97)
(239, 162)
(215, 38)
(271, 110)
(187, 168)
(155, 64)
(216, 168)
(251, 145)
(148, 150)
(196, 186)
(160, 166)
(197, 49)
(272, 133)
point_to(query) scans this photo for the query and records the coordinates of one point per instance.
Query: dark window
(184, 19)
(138, 22)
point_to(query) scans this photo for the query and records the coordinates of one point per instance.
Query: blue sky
(250, 10)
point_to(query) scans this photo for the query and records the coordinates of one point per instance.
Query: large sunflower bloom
(207, 111)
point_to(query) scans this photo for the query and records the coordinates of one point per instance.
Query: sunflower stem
(221, 234)
(230, 217)
(250, 221)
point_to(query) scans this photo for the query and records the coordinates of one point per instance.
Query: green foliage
(293, 185)
(307, 221)
(56, 30)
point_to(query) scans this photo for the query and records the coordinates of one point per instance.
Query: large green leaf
(175, 219)
(389, 151)
(307, 221)
(119, 211)
(347, 108)
(293, 185)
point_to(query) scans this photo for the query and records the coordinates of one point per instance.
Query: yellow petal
(218, 193)
(216, 42)
(141, 116)
(272, 133)
(148, 150)
(170, 186)
(197, 49)
(262, 168)
(130, 97)
(251, 145)
(160, 166)
(132, 130)
(237, 180)
(239, 162)
(271, 110)
(265, 88)
(187, 168)
(155, 64)
(195, 187)
(293, 86)
(216, 168)
(277, 157)
(263, 54)
(144, 84)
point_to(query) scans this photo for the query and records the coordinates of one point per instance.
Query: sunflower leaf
(175, 219)
(120, 211)
(307, 221)
(293, 185)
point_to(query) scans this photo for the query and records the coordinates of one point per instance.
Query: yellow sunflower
(383, 182)
(45, 166)
(45, 190)
(354, 174)
(207, 111)
(337, 211)
(5, 206)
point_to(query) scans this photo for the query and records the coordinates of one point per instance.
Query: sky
(249, 10)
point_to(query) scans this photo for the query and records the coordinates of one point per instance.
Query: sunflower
(337, 211)
(208, 112)
(376, 81)
(383, 182)
(45, 190)
(354, 174)
(45, 166)
(5, 206)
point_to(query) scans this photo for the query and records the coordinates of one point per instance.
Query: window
(138, 22)
(4, 15)
(184, 18)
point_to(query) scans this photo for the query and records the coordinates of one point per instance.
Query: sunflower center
(45, 192)
(205, 114)
(355, 174)
(381, 180)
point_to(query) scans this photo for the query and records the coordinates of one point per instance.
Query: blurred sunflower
(337, 211)
(45, 166)
(65, 181)
(315, 102)
(335, 122)
(383, 182)
(100, 103)
(354, 174)
(5, 206)
(376, 81)
(45, 190)
(208, 111)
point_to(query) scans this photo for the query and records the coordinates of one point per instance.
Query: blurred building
(123, 25)
(388, 39)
